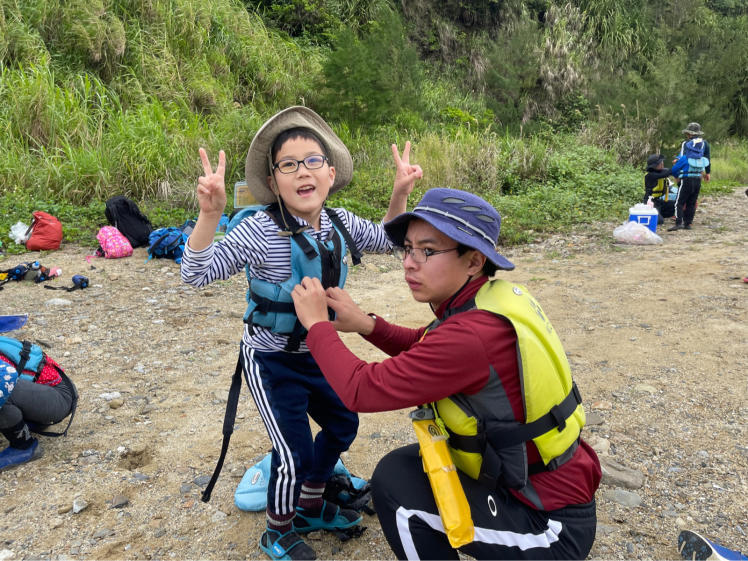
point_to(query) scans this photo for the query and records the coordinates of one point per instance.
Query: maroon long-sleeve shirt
(452, 359)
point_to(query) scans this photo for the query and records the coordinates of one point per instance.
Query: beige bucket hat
(257, 166)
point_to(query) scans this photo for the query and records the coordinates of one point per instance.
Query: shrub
(371, 79)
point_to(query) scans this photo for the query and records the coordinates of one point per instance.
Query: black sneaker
(687, 227)
(288, 546)
(674, 228)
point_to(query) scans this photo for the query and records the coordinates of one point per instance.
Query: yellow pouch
(442, 473)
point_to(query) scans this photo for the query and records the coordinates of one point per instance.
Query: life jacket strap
(290, 227)
(555, 418)
(475, 443)
(228, 426)
(336, 220)
(297, 336)
(266, 305)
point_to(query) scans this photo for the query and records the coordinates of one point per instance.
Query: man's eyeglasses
(289, 165)
(417, 254)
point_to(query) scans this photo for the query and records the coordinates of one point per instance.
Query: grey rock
(79, 505)
(202, 480)
(103, 533)
(58, 302)
(614, 474)
(120, 501)
(605, 529)
(623, 498)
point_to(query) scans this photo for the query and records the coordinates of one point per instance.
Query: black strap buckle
(558, 416)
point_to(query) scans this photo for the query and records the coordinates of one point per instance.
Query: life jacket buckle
(558, 416)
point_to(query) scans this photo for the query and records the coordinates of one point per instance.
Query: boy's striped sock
(281, 523)
(311, 496)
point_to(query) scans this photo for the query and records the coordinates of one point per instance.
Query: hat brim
(398, 227)
(256, 166)
(693, 133)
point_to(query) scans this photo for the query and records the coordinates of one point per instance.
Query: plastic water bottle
(650, 202)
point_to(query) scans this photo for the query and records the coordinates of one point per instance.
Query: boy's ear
(271, 185)
(332, 175)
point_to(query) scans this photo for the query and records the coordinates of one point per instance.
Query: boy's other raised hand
(405, 172)
(211, 189)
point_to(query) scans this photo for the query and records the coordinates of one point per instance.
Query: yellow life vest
(486, 441)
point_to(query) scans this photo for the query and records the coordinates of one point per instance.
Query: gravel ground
(656, 336)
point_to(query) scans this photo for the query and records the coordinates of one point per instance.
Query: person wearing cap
(690, 175)
(495, 373)
(657, 185)
(294, 162)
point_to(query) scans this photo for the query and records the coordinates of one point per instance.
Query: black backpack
(124, 214)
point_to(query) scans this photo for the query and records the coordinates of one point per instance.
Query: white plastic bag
(635, 233)
(18, 233)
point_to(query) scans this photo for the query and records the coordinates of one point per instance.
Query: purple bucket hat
(464, 217)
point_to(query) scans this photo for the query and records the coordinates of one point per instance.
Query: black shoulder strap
(335, 219)
(23, 358)
(228, 425)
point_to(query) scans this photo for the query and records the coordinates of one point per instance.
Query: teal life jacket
(269, 304)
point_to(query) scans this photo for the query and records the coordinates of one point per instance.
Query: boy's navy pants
(288, 388)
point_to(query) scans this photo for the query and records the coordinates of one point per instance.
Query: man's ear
(477, 260)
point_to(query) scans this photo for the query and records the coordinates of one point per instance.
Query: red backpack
(46, 232)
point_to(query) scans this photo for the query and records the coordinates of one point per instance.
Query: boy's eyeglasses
(417, 254)
(289, 165)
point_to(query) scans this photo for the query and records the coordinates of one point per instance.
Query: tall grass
(105, 97)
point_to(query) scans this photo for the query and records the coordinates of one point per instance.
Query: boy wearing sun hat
(294, 162)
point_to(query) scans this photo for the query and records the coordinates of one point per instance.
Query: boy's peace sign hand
(211, 190)
(405, 173)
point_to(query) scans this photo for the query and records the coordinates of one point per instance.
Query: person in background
(31, 404)
(691, 175)
(657, 185)
(495, 375)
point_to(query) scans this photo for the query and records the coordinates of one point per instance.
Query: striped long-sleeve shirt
(255, 241)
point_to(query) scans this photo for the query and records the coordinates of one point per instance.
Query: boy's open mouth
(305, 190)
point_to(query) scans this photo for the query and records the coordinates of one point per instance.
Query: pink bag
(112, 243)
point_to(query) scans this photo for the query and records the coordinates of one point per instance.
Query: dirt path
(656, 335)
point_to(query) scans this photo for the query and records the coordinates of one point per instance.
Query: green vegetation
(547, 109)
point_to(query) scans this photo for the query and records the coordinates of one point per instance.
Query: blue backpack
(167, 243)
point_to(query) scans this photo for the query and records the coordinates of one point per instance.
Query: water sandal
(331, 517)
(288, 546)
